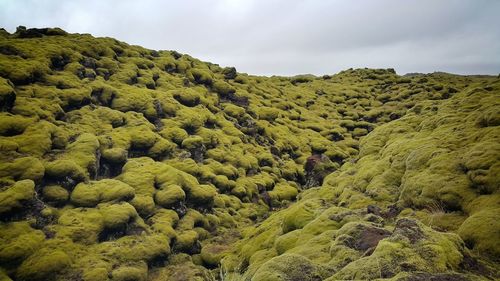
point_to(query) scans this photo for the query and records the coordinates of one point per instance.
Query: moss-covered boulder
(287, 267)
(169, 196)
(23, 168)
(44, 265)
(106, 190)
(14, 197)
(55, 193)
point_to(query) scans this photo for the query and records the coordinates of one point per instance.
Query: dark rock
(392, 212)
(369, 238)
(89, 62)
(316, 168)
(22, 32)
(229, 73)
(9, 50)
(264, 195)
(176, 55)
(410, 229)
(7, 100)
(425, 276)
(372, 209)
(58, 62)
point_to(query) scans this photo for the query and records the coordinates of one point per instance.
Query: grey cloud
(290, 37)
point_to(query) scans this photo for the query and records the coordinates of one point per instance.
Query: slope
(123, 163)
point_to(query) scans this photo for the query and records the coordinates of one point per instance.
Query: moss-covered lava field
(123, 163)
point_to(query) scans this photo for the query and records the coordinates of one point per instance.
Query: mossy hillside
(415, 168)
(151, 164)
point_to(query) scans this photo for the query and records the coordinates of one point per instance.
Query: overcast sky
(286, 37)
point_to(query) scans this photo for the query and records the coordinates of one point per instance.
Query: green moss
(300, 214)
(477, 230)
(175, 134)
(287, 267)
(191, 220)
(85, 196)
(44, 265)
(95, 104)
(162, 148)
(229, 72)
(95, 274)
(124, 273)
(169, 196)
(287, 241)
(23, 168)
(200, 76)
(20, 71)
(268, 113)
(223, 88)
(223, 183)
(136, 248)
(144, 204)
(80, 225)
(13, 125)
(55, 193)
(283, 191)
(234, 111)
(65, 168)
(89, 195)
(115, 155)
(4, 276)
(117, 215)
(187, 97)
(13, 198)
(163, 221)
(434, 252)
(211, 255)
(192, 142)
(186, 240)
(18, 241)
(181, 267)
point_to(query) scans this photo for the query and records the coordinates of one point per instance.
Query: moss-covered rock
(61, 169)
(14, 197)
(7, 95)
(477, 230)
(287, 267)
(187, 97)
(223, 88)
(19, 241)
(234, 111)
(139, 273)
(106, 190)
(23, 168)
(55, 193)
(200, 76)
(212, 254)
(169, 196)
(44, 265)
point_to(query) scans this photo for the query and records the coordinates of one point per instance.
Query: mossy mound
(14, 197)
(106, 190)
